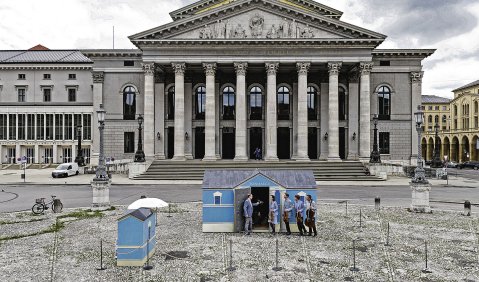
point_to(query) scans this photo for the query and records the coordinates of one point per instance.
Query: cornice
(101, 53)
(33, 67)
(422, 53)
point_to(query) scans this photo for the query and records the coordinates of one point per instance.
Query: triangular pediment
(252, 20)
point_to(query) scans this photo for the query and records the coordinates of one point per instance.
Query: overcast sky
(451, 26)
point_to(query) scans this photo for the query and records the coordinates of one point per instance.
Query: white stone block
(420, 197)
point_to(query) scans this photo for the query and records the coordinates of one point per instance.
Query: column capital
(179, 68)
(241, 68)
(334, 67)
(97, 76)
(210, 69)
(271, 68)
(149, 69)
(416, 77)
(365, 68)
(303, 68)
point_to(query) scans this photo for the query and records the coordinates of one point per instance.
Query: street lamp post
(419, 173)
(101, 183)
(436, 158)
(101, 174)
(140, 155)
(79, 159)
(375, 157)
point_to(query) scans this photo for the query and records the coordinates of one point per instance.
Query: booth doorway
(255, 141)
(283, 143)
(260, 212)
(228, 144)
(199, 142)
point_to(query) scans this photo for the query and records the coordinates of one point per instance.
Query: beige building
(458, 124)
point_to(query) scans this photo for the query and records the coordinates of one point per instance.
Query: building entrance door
(228, 144)
(30, 154)
(342, 143)
(199, 142)
(255, 141)
(312, 143)
(49, 155)
(11, 155)
(171, 142)
(67, 155)
(283, 143)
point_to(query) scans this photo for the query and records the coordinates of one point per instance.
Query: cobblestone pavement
(184, 253)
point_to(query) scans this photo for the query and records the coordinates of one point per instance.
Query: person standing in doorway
(310, 215)
(248, 214)
(287, 208)
(299, 208)
(273, 214)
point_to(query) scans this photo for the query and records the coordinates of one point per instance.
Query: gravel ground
(184, 253)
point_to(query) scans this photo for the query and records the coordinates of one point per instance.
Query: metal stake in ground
(360, 218)
(354, 268)
(426, 270)
(277, 267)
(231, 268)
(387, 237)
(148, 266)
(467, 208)
(169, 210)
(101, 256)
(377, 203)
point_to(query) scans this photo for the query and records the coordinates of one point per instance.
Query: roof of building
(39, 47)
(216, 179)
(142, 214)
(467, 86)
(432, 99)
(42, 56)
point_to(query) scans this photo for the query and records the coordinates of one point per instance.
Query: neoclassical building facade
(227, 78)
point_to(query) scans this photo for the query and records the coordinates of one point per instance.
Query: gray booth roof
(141, 213)
(215, 179)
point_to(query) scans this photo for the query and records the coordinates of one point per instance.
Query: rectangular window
(58, 127)
(129, 142)
(429, 108)
(68, 126)
(384, 143)
(128, 63)
(476, 122)
(436, 108)
(217, 200)
(21, 76)
(72, 95)
(21, 126)
(47, 76)
(72, 76)
(12, 127)
(3, 127)
(21, 94)
(76, 122)
(444, 108)
(49, 127)
(31, 127)
(47, 95)
(87, 127)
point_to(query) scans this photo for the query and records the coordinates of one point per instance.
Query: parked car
(65, 170)
(474, 165)
(452, 164)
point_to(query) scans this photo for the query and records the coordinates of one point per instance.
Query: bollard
(377, 203)
(426, 270)
(231, 267)
(148, 266)
(277, 267)
(101, 256)
(387, 237)
(360, 218)
(467, 208)
(346, 208)
(169, 210)
(354, 268)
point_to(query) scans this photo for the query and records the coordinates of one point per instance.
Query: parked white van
(65, 170)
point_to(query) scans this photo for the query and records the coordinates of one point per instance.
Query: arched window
(312, 105)
(283, 103)
(129, 103)
(200, 106)
(436, 119)
(455, 110)
(343, 103)
(171, 103)
(255, 103)
(429, 119)
(228, 103)
(476, 107)
(384, 103)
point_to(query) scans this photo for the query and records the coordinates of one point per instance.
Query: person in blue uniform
(299, 208)
(273, 214)
(248, 214)
(287, 208)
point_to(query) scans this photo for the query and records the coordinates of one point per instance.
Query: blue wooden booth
(224, 192)
(134, 242)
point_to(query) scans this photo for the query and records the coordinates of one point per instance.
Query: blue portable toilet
(224, 193)
(134, 242)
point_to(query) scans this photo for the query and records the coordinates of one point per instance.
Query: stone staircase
(194, 169)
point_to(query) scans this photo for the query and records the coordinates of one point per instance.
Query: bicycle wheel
(57, 208)
(38, 208)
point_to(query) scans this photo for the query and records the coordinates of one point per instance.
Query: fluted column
(302, 103)
(365, 110)
(98, 78)
(210, 115)
(241, 154)
(333, 125)
(271, 113)
(179, 133)
(416, 100)
(149, 111)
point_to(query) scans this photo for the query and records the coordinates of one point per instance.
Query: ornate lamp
(140, 155)
(375, 157)
(101, 174)
(419, 174)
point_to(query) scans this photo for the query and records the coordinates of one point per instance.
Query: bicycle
(40, 206)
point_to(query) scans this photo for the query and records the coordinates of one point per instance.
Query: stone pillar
(55, 154)
(271, 113)
(37, 154)
(241, 127)
(149, 112)
(365, 111)
(416, 100)
(353, 130)
(179, 69)
(210, 114)
(333, 126)
(420, 197)
(302, 103)
(101, 194)
(98, 78)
